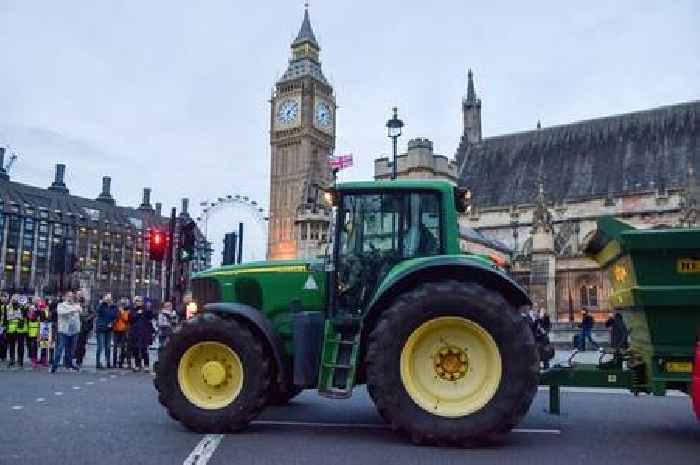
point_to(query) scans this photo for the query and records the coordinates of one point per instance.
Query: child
(166, 320)
(45, 339)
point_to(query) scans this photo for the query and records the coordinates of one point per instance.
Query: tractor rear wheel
(452, 363)
(213, 375)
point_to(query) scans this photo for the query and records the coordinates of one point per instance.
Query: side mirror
(463, 198)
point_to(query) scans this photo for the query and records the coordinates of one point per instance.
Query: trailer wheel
(452, 363)
(213, 375)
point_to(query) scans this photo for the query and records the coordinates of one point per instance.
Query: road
(113, 418)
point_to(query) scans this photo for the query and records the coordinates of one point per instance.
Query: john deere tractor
(437, 336)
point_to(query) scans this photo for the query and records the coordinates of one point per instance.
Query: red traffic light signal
(157, 245)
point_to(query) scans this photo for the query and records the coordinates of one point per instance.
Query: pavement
(113, 418)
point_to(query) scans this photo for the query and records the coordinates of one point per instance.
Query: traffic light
(157, 245)
(188, 239)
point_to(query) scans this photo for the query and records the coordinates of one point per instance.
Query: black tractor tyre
(508, 329)
(252, 397)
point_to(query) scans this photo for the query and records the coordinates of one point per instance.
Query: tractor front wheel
(213, 375)
(452, 363)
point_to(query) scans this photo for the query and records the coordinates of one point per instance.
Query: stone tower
(471, 112)
(302, 137)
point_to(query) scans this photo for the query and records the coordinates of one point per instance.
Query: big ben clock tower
(302, 137)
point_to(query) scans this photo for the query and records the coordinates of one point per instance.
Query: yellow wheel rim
(450, 366)
(210, 375)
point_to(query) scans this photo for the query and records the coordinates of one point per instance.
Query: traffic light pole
(240, 243)
(169, 259)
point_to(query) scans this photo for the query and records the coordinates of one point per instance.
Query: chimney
(3, 173)
(106, 195)
(146, 202)
(159, 209)
(185, 205)
(58, 184)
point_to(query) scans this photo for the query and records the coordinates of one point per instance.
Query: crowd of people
(55, 331)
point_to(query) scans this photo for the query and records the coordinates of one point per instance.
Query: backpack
(121, 322)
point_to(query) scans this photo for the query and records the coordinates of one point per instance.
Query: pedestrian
(68, 313)
(87, 321)
(16, 316)
(545, 322)
(618, 332)
(4, 299)
(587, 330)
(53, 318)
(33, 334)
(140, 333)
(45, 341)
(120, 328)
(166, 321)
(106, 314)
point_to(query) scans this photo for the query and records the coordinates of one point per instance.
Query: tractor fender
(458, 267)
(261, 325)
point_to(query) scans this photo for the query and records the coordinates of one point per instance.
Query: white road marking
(89, 383)
(41, 399)
(17, 407)
(112, 376)
(312, 424)
(58, 393)
(77, 388)
(103, 379)
(201, 454)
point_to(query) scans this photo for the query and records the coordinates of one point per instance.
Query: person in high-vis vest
(16, 315)
(32, 333)
(3, 327)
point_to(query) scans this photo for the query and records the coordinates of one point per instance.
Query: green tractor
(438, 336)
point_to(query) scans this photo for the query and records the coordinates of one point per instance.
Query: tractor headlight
(190, 310)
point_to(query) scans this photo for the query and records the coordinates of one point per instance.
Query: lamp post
(394, 126)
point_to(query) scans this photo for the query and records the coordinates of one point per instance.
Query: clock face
(324, 118)
(287, 111)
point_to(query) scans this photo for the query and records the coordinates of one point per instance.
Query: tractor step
(341, 348)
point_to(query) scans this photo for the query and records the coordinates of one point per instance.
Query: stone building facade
(540, 192)
(536, 195)
(110, 242)
(419, 161)
(302, 138)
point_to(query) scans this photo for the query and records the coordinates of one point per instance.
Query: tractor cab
(377, 226)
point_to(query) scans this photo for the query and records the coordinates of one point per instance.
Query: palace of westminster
(535, 194)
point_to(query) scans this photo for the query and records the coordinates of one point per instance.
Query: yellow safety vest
(33, 328)
(16, 321)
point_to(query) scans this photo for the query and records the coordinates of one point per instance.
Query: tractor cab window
(377, 231)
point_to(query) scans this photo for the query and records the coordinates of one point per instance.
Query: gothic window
(589, 296)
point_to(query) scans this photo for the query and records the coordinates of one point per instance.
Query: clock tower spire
(302, 137)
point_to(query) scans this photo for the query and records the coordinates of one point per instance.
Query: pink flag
(339, 162)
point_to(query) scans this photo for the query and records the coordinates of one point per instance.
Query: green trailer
(655, 279)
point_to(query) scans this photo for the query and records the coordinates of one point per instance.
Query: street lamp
(394, 126)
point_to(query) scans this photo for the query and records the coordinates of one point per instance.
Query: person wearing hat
(16, 317)
(141, 332)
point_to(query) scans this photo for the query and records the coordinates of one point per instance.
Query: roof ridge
(596, 120)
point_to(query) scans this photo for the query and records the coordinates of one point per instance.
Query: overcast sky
(174, 94)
